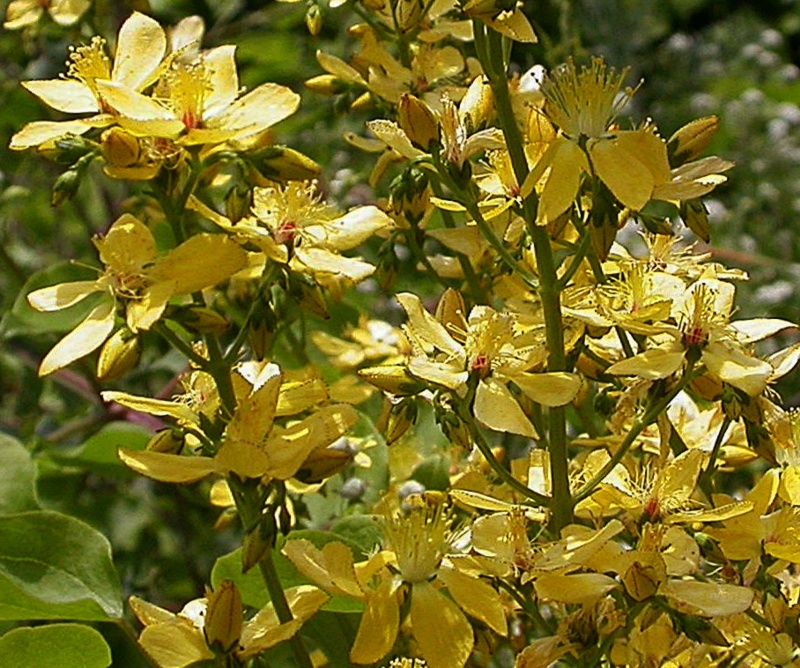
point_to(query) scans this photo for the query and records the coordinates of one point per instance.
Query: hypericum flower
(254, 445)
(293, 226)
(141, 48)
(198, 102)
(137, 278)
(180, 640)
(489, 351)
(413, 564)
(24, 13)
(583, 104)
(505, 17)
(703, 316)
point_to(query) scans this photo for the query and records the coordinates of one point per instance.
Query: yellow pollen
(583, 103)
(89, 63)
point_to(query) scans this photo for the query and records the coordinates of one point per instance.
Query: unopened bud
(691, 140)
(201, 319)
(120, 148)
(257, 541)
(168, 441)
(417, 121)
(323, 463)
(394, 379)
(477, 105)
(695, 215)
(363, 102)
(326, 84)
(401, 417)
(67, 150)
(223, 625)
(283, 164)
(65, 187)
(237, 203)
(118, 355)
(408, 14)
(314, 20)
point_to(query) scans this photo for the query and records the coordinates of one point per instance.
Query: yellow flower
(197, 101)
(488, 352)
(414, 564)
(254, 445)
(583, 104)
(180, 640)
(141, 48)
(24, 13)
(293, 226)
(703, 313)
(137, 277)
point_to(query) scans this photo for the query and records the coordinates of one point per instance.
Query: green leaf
(23, 319)
(55, 646)
(99, 452)
(18, 482)
(53, 566)
(359, 532)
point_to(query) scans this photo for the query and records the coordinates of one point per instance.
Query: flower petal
(626, 177)
(442, 631)
(555, 388)
(87, 337)
(477, 598)
(379, 624)
(64, 295)
(141, 46)
(68, 95)
(497, 408)
(166, 467)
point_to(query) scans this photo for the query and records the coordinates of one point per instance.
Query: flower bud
(257, 541)
(326, 84)
(201, 319)
(65, 187)
(314, 20)
(408, 14)
(691, 140)
(223, 625)
(237, 203)
(394, 379)
(694, 214)
(363, 102)
(168, 441)
(283, 164)
(67, 150)
(323, 463)
(400, 418)
(118, 355)
(418, 121)
(120, 148)
(477, 105)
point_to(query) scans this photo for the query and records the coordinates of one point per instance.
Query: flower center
(88, 63)
(583, 103)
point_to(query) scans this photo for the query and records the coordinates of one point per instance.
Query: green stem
(249, 504)
(179, 344)
(575, 262)
(651, 414)
(490, 46)
(706, 482)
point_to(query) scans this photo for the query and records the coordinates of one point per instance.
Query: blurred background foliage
(740, 60)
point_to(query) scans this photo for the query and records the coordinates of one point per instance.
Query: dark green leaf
(53, 566)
